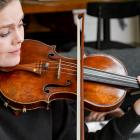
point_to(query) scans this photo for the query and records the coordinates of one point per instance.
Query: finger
(89, 117)
(101, 116)
(138, 79)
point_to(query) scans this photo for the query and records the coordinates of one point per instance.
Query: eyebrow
(11, 24)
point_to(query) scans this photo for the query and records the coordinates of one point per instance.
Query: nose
(18, 36)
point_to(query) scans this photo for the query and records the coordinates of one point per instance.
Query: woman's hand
(137, 103)
(138, 79)
(100, 116)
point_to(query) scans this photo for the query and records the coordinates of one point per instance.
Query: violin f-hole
(51, 86)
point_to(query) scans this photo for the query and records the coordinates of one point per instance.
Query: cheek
(23, 33)
(4, 45)
(7, 60)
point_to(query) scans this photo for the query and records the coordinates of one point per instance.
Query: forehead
(12, 13)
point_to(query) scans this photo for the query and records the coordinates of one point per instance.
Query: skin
(137, 103)
(12, 36)
(100, 116)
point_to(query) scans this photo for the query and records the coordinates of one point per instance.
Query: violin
(44, 76)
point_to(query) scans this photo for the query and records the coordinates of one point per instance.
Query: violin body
(44, 76)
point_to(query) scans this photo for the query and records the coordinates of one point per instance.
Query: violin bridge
(59, 69)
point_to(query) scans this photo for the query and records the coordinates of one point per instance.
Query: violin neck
(94, 75)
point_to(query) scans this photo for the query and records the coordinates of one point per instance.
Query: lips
(15, 52)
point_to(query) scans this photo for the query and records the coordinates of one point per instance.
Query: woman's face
(11, 34)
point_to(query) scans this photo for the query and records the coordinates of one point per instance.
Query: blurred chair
(107, 11)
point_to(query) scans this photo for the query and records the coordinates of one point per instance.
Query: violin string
(110, 81)
(70, 63)
(111, 75)
(94, 72)
(107, 74)
(63, 68)
(63, 72)
(97, 76)
(110, 78)
(94, 69)
(103, 74)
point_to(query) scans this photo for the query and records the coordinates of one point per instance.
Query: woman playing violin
(59, 122)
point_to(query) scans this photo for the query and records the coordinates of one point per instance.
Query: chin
(13, 62)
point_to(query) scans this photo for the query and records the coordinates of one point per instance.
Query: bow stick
(80, 80)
